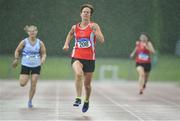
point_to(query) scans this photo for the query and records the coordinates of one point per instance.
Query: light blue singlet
(31, 53)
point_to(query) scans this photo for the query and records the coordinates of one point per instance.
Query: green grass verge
(167, 68)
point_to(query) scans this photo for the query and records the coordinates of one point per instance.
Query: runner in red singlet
(143, 50)
(83, 54)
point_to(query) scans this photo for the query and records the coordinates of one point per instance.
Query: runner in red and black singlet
(142, 52)
(85, 40)
(83, 54)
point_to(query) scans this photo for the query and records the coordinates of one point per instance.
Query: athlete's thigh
(146, 75)
(77, 67)
(140, 69)
(23, 78)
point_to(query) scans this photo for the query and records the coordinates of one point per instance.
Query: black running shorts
(146, 66)
(30, 70)
(88, 65)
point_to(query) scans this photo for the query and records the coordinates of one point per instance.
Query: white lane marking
(167, 101)
(163, 99)
(117, 104)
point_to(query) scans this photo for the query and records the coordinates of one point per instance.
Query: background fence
(121, 22)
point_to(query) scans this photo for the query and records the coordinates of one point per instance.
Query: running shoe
(144, 86)
(30, 104)
(141, 91)
(77, 102)
(85, 107)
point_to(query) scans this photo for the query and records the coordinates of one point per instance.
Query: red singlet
(142, 54)
(85, 40)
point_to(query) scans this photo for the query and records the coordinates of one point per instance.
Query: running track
(111, 101)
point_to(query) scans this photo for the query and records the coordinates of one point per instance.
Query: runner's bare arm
(97, 32)
(133, 53)
(69, 38)
(43, 52)
(17, 54)
(150, 48)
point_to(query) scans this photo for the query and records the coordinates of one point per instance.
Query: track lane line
(117, 104)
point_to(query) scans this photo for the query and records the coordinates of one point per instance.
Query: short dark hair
(89, 6)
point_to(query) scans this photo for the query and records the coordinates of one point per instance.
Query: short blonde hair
(146, 34)
(27, 27)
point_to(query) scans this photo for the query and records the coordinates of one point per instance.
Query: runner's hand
(15, 63)
(42, 60)
(66, 47)
(131, 55)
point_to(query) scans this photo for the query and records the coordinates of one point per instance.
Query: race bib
(84, 43)
(143, 56)
(32, 58)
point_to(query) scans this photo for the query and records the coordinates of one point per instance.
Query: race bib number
(143, 56)
(32, 58)
(84, 43)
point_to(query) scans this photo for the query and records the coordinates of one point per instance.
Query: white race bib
(143, 56)
(84, 43)
(32, 58)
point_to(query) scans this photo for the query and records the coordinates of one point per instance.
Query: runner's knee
(142, 74)
(22, 83)
(87, 86)
(33, 82)
(79, 74)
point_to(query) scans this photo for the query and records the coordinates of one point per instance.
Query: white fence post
(112, 68)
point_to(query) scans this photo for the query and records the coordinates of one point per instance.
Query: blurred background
(121, 22)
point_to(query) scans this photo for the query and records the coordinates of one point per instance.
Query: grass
(167, 68)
